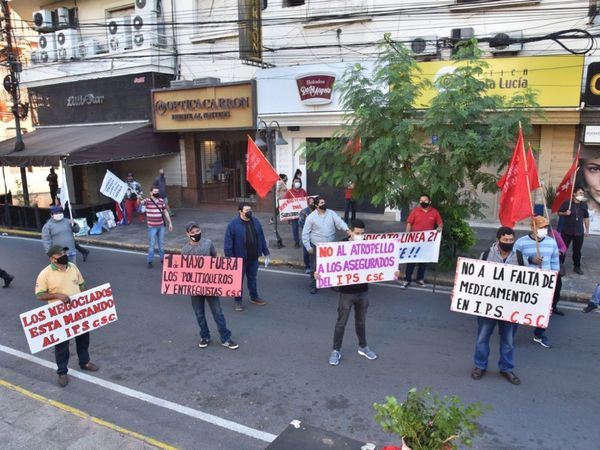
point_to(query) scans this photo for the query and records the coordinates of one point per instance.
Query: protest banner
(57, 322)
(289, 208)
(506, 292)
(113, 187)
(211, 276)
(354, 262)
(415, 247)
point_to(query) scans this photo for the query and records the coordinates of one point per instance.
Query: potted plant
(427, 422)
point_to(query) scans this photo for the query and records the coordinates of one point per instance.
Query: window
(292, 3)
(120, 12)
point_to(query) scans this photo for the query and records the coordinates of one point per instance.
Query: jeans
(61, 353)
(295, 230)
(507, 331)
(360, 301)
(249, 270)
(410, 267)
(217, 313)
(306, 258)
(596, 296)
(350, 206)
(156, 234)
(313, 265)
(577, 245)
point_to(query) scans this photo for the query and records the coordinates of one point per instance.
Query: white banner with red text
(415, 247)
(289, 208)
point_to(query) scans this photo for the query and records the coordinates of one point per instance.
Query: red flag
(259, 173)
(534, 178)
(565, 188)
(515, 203)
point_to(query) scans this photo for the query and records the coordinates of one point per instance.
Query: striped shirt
(154, 209)
(548, 251)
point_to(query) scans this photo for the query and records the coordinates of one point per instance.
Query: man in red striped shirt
(157, 219)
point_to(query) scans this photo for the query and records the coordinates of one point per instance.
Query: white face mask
(58, 217)
(580, 198)
(542, 233)
(297, 185)
(359, 237)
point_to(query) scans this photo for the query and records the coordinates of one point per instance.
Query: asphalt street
(280, 371)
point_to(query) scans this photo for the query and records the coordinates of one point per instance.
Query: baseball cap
(56, 209)
(190, 225)
(56, 249)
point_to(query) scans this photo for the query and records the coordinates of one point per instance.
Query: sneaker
(258, 301)
(149, 265)
(307, 271)
(421, 283)
(203, 343)
(367, 353)
(230, 345)
(590, 307)
(238, 308)
(543, 341)
(334, 358)
(405, 284)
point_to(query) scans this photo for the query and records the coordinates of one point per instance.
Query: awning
(79, 145)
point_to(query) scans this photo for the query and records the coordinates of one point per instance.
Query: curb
(441, 279)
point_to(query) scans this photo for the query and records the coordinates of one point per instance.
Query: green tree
(397, 162)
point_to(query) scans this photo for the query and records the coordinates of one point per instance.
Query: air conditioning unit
(148, 31)
(62, 18)
(67, 44)
(43, 21)
(148, 6)
(88, 48)
(119, 34)
(505, 42)
(35, 57)
(47, 47)
(424, 45)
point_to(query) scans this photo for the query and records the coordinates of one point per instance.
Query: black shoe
(297, 245)
(7, 280)
(578, 270)
(149, 265)
(477, 373)
(558, 312)
(313, 290)
(85, 255)
(589, 308)
(511, 377)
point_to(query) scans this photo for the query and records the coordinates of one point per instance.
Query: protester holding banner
(296, 192)
(7, 277)
(157, 220)
(422, 218)
(354, 295)
(132, 199)
(576, 225)
(200, 246)
(501, 252)
(59, 231)
(55, 283)
(320, 226)
(301, 221)
(244, 238)
(542, 251)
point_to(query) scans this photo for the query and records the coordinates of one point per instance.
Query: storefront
(215, 122)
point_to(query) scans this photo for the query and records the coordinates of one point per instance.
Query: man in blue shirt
(541, 250)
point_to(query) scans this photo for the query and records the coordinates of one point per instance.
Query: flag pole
(574, 175)
(537, 244)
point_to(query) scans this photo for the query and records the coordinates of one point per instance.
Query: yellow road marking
(84, 415)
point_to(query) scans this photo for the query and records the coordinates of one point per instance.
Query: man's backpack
(484, 256)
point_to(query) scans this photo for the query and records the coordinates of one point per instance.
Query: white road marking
(194, 413)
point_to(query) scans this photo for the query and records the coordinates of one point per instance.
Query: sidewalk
(213, 221)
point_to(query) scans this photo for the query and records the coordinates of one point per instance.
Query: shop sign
(509, 76)
(592, 134)
(315, 89)
(592, 85)
(250, 30)
(84, 100)
(230, 106)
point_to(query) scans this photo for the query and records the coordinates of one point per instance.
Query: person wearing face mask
(197, 245)
(244, 238)
(541, 250)
(423, 218)
(56, 283)
(59, 231)
(301, 221)
(320, 227)
(296, 192)
(576, 225)
(501, 252)
(157, 220)
(132, 199)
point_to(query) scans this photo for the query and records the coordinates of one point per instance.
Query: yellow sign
(230, 106)
(557, 79)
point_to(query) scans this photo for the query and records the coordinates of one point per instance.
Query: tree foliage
(398, 162)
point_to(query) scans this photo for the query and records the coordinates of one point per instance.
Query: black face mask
(505, 247)
(248, 214)
(155, 195)
(424, 204)
(322, 207)
(64, 259)
(196, 237)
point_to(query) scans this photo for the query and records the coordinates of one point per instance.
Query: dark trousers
(349, 210)
(540, 332)
(61, 353)
(250, 271)
(410, 268)
(360, 301)
(313, 265)
(80, 249)
(295, 231)
(53, 193)
(217, 313)
(577, 245)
